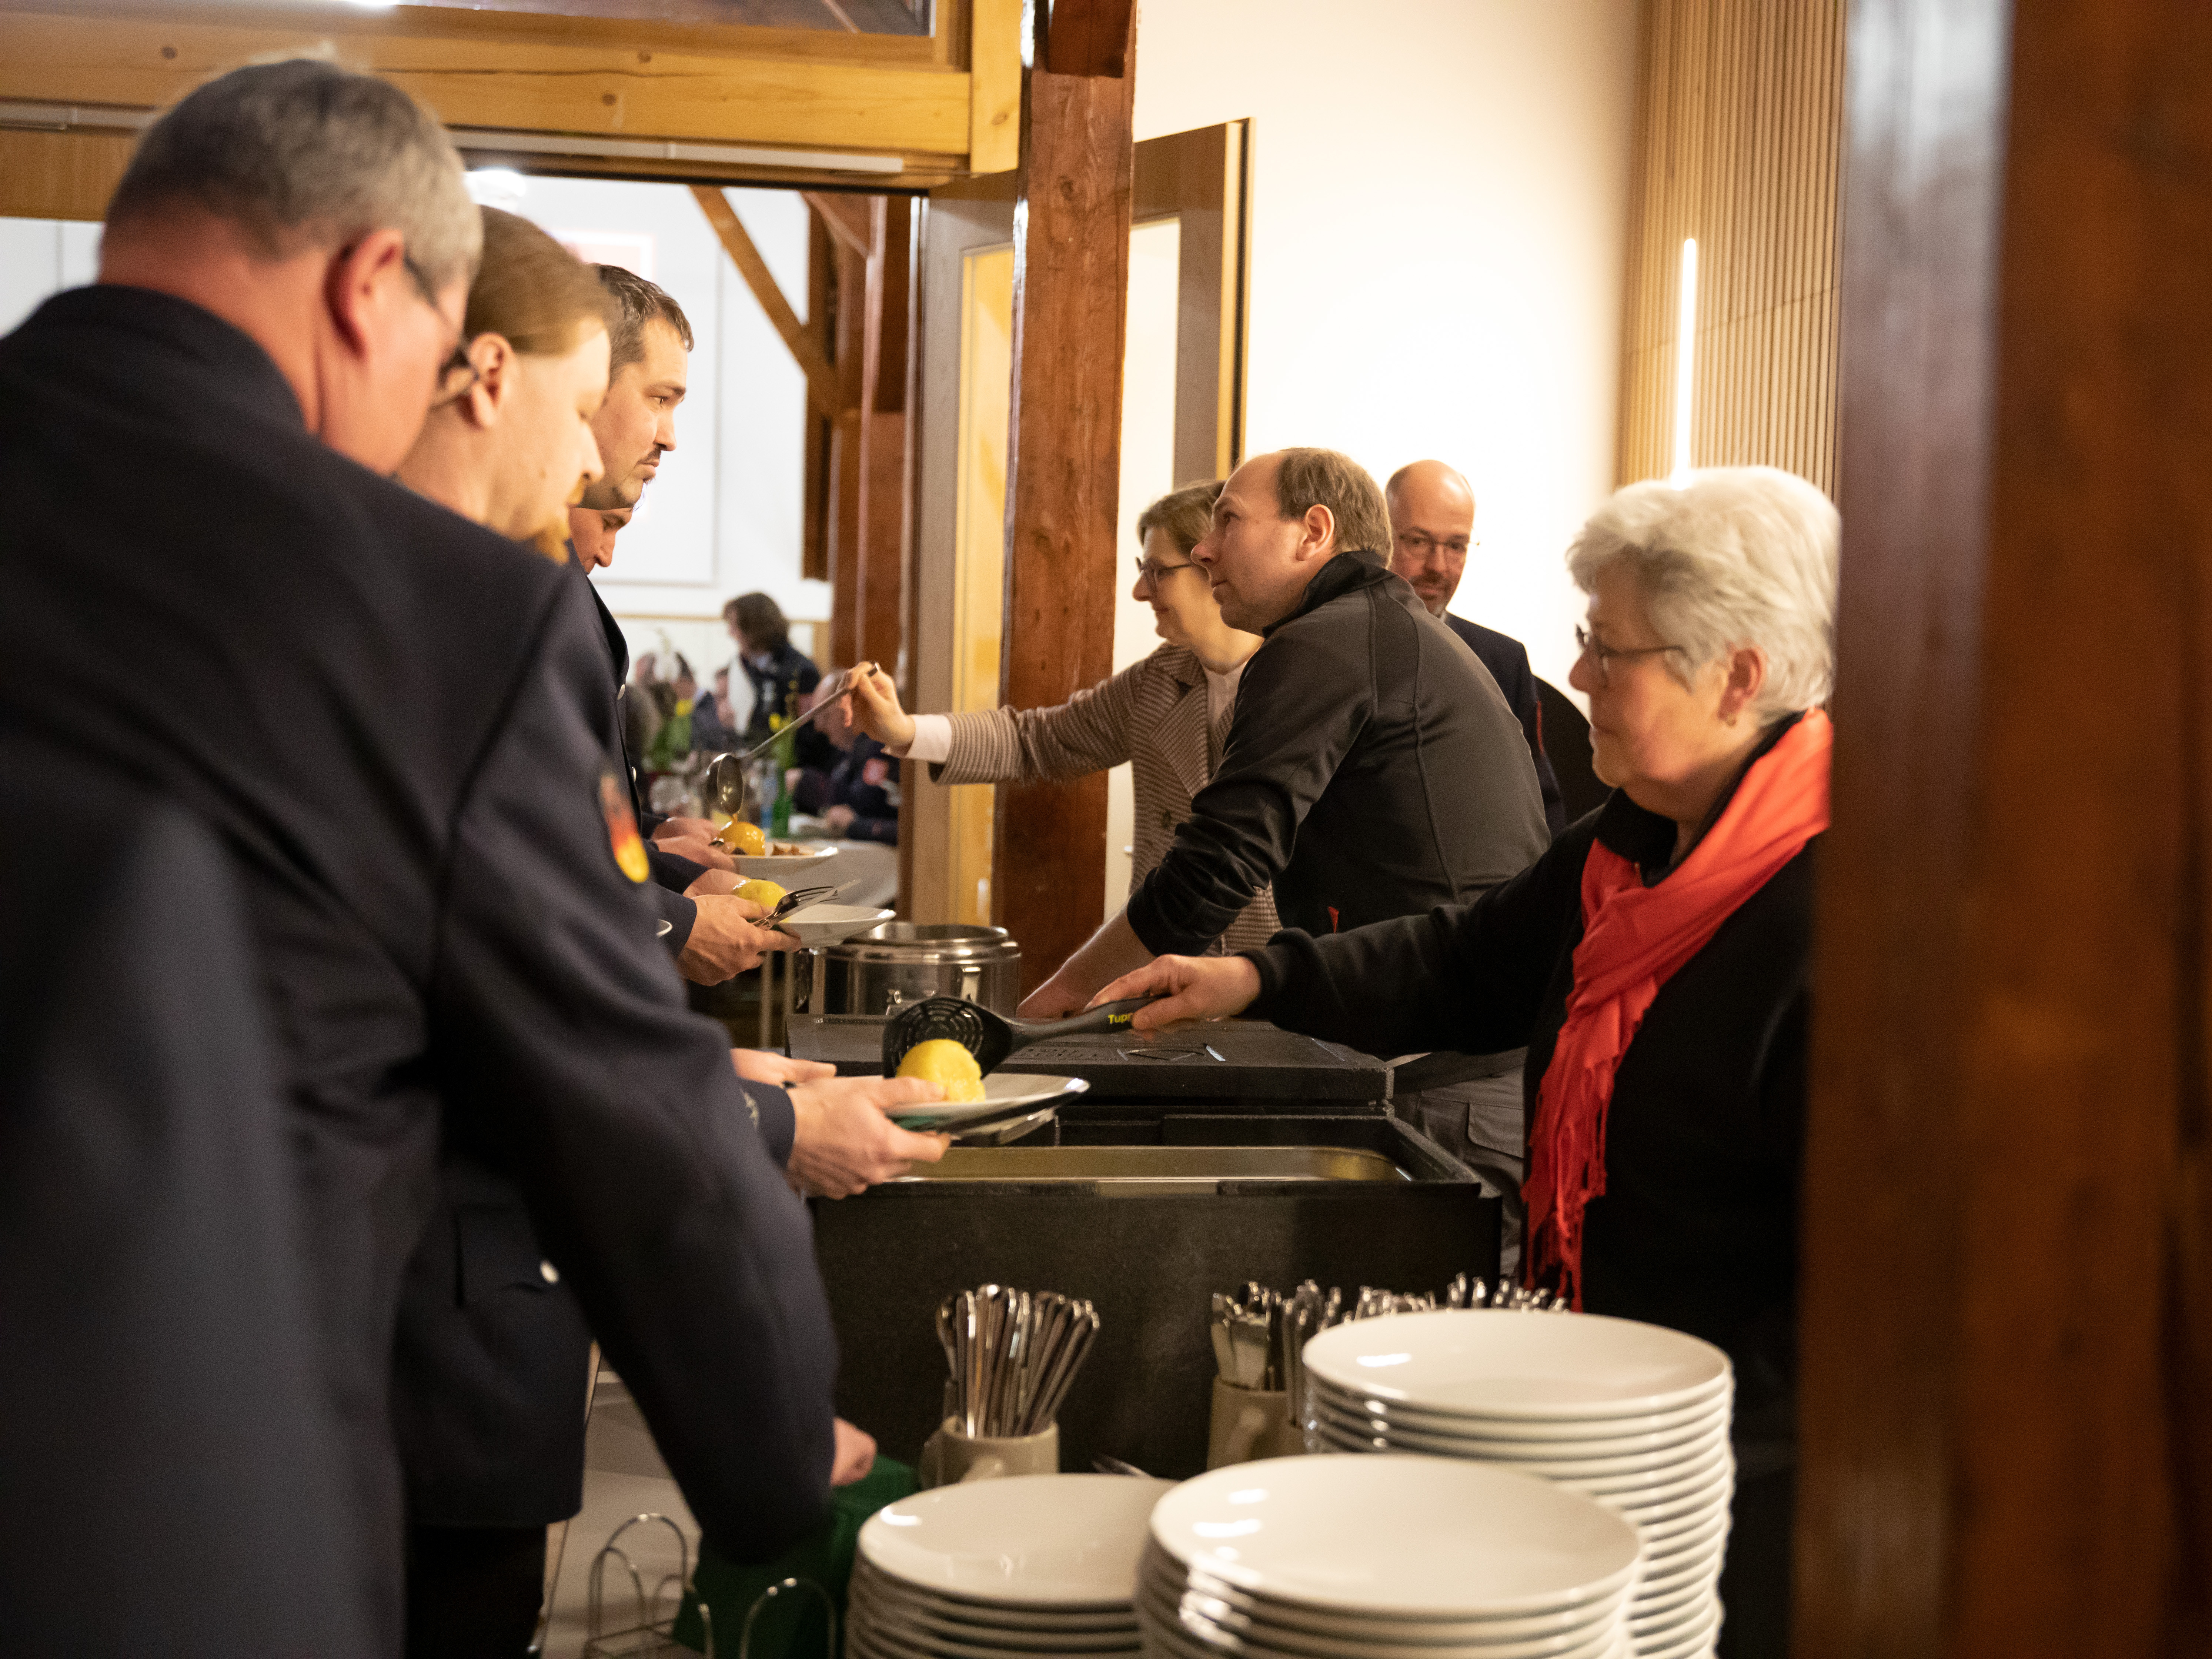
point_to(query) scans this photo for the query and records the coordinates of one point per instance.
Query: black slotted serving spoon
(991, 1037)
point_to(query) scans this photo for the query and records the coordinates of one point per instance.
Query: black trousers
(473, 1592)
(1755, 1578)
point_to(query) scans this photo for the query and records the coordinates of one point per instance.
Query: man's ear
(362, 281)
(1319, 540)
(493, 358)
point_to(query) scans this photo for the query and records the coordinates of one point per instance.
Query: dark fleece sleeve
(564, 1024)
(1465, 977)
(1298, 714)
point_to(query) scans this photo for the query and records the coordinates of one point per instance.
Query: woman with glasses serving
(1165, 716)
(1656, 961)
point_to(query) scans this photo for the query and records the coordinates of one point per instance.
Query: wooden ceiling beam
(848, 219)
(822, 380)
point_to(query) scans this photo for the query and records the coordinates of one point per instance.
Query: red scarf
(1634, 938)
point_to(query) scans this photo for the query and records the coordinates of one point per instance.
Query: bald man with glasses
(1432, 530)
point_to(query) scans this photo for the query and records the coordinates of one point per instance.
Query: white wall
(724, 515)
(1439, 243)
(723, 518)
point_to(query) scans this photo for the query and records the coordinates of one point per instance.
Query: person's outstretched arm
(1089, 732)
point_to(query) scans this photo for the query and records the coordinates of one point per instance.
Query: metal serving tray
(1138, 1171)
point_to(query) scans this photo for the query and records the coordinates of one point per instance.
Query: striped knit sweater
(1152, 715)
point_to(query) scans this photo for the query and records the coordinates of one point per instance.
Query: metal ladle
(725, 772)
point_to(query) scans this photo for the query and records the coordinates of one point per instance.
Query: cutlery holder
(950, 1458)
(1248, 1424)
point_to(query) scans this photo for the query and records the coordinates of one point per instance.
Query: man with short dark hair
(1431, 530)
(382, 714)
(1371, 769)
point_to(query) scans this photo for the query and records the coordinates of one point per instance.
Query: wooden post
(883, 433)
(1071, 287)
(2006, 1407)
(849, 330)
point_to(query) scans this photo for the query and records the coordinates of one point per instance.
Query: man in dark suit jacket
(1431, 528)
(382, 714)
(149, 1258)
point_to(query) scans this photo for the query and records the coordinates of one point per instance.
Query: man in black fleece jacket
(1372, 768)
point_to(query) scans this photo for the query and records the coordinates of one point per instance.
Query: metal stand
(651, 1637)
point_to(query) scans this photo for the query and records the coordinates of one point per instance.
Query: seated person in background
(711, 731)
(782, 679)
(1167, 716)
(1371, 768)
(1656, 961)
(1431, 528)
(852, 798)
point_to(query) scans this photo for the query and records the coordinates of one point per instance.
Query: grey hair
(304, 153)
(1735, 556)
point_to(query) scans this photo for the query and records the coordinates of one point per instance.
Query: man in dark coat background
(1432, 528)
(382, 714)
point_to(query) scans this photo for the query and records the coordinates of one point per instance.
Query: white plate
(1003, 1092)
(1584, 1437)
(897, 1632)
(1225, 1602)
(1527, 1456)
(1697, 1639)
(784, 868)
(957, 1616)
(1649, 1511)
(825, 924)
(1382, 1642)
(1067, 1540)
(1648, 1487)
(1411, 1537)
(1535, 1366)
(1689, 1598)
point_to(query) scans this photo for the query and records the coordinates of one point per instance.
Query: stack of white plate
(1033, 1564)
(1634, 1415)
(1383, 1557)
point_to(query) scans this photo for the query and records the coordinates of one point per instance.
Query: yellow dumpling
(766, 894)
(744, 837)
(941, 1061)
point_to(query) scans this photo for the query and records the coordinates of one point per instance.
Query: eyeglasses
(1420, 546)
(1604, 654)
(1151, 571)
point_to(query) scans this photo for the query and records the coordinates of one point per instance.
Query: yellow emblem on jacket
(621, 830)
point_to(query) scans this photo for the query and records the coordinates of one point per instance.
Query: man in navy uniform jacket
(381, 713)
(1431, 528)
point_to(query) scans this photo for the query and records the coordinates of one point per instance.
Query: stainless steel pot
(903, 961)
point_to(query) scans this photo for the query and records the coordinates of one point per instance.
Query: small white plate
(1593, 1641)
(1584, 1437)
(825, 924)
(1224, 1605)
(1062, 1541)
(1524, 1365)
(1398, 1537)
(1004, 1092)
(786, 868)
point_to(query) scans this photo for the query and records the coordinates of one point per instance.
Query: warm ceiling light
(1686, 361)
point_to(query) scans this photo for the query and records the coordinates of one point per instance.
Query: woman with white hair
(1656, 961)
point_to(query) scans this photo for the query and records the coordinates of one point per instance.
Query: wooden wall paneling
(2007, 1313)
(1738, 110)
(60, 175)
(1070, 286)
(538, 75)
(848, 336)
